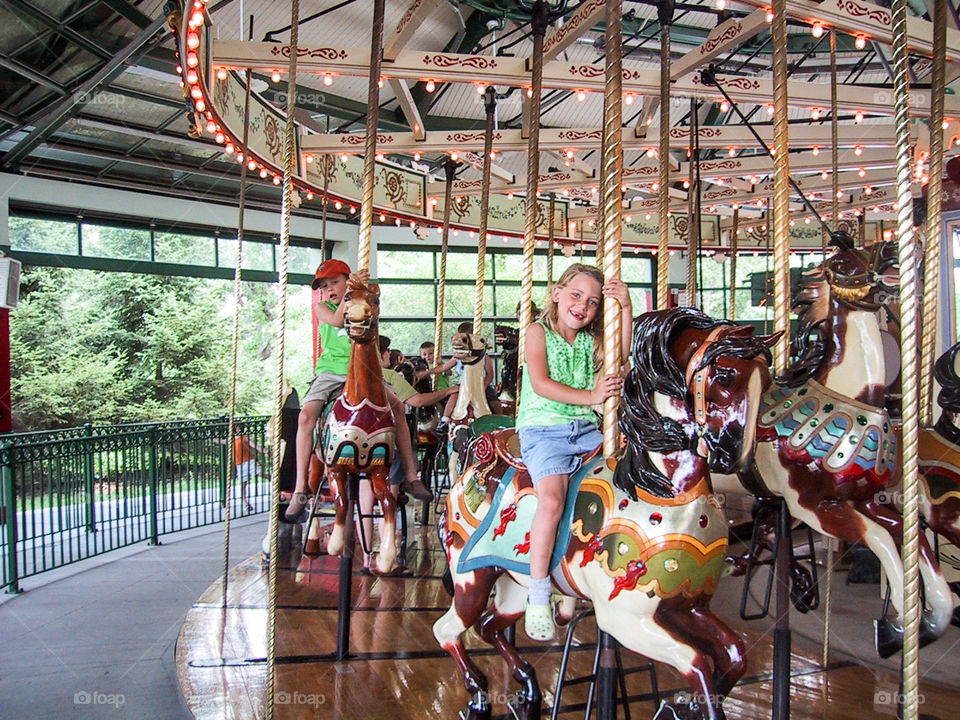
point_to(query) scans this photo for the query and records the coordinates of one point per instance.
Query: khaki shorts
(322, 387)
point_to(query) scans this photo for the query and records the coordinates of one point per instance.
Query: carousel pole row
(289, 198)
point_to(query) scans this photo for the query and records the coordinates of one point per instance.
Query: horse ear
(375, 289)
(771, 340)
(741, 331)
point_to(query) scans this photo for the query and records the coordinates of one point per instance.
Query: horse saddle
(502, 538)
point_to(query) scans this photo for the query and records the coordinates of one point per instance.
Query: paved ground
(96, 639)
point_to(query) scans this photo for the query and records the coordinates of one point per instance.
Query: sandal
(298, 501)
(538, 622)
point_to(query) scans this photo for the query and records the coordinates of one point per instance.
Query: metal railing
(71, 494)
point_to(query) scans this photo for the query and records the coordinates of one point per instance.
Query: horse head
(860, 279)
(726, 377)
(469, 348)
(695, 385)
(362, 314)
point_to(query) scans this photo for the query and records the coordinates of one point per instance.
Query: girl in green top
(555, 420)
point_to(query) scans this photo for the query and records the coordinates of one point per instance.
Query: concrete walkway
(96, 639)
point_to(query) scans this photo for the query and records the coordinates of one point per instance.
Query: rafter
(512, 72)
(723, 37)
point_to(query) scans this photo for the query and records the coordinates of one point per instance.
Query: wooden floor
(398, 672)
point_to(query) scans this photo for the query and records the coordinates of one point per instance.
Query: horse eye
(725, 377)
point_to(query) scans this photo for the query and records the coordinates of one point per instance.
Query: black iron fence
(70, 494)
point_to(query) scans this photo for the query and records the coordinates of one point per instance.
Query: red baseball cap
(328, 269)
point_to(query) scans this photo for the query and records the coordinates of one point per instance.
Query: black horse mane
(949, 396)
(654, 370)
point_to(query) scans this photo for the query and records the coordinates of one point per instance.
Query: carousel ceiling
(90, 91)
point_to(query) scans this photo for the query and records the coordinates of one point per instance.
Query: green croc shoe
(538, 621)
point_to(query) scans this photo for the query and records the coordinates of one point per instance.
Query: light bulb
(430, 86)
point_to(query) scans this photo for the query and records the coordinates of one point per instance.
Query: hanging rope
(289, 170)
(665, 16)
(931, 261)
(734, 248)
(450, 168)
(612, 210)
(835, 151)
(550, 239)
(908, 354)
(781, 188)
(370, 145)
(490, 105)
(231, 424)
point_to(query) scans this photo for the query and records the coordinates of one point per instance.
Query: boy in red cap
(331, 372)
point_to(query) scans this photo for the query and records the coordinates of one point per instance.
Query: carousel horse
(508, 338)
(825, 441)
(471, 404)
(642, 538)
(426, 439)
(939, 451)
(358, 436)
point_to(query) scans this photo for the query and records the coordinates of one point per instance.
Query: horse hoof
(478, 707)
(929, 630)
(524, 709)
(888, 637)
(312, 548)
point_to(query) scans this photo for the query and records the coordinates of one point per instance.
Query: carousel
(690, 132)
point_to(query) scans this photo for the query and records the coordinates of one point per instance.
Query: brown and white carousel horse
(471, 351)
(825, 441)
(642, 538)
(358, 435)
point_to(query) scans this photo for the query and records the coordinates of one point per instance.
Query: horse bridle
(700, 375)
(852, 289)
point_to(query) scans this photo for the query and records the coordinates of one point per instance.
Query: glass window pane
(405, 264)
(636, 270)
(184, 249)
(398, 300)
(406, 336)
(35, 235)
(463, 266)
(460, 301)
(115, 242)
(256, 255)
(304, 259)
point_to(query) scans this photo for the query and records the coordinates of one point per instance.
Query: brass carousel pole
(734, 248)
(612, 210)
(551, 238)
(450, 169)
(370, 146)
(490, 105)
(540, 14)
(345, 566)
(931, 261)
(781, 322)
(612, 218)
(289, 198)
(835, 150)
(909, 370)
(665, 16)
(693, 220)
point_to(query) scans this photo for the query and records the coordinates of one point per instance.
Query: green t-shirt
(569, 364)
(398, 383)
(443, 381)
(334, 348)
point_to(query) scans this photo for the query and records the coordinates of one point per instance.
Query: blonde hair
(548, 316)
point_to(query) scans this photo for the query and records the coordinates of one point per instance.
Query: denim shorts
(556, 449)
